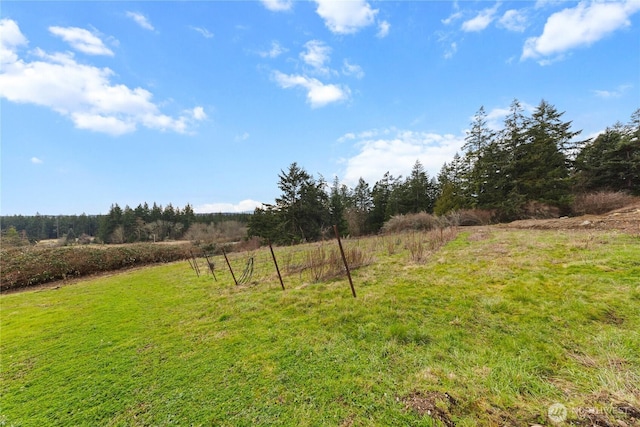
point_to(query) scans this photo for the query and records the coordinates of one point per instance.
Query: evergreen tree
(544, 168)
(415, 195)
(129, 225)
(188, 216)
(169, 214)
(480, 162)
(500, 186)
(359, 207)
(338, 202)
(110, 223)
(452, 180)
(303, 207)
(155, 214)
(612, 161)
(383, 205)
(265, 223)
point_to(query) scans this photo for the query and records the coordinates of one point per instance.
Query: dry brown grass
(601, 202)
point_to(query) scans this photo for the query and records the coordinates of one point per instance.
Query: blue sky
(206, 102)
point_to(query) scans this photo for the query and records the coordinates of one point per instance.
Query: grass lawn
(492, 329)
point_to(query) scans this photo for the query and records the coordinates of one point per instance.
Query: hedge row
(22, 267)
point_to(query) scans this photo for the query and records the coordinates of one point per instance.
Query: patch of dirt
(433, 403)
(626, 220)
(604, 410)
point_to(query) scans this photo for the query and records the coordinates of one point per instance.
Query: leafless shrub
(420, 245)
(410, 222)
(416, 247)
(223, 232)
(247, 245)
(316, 263)
(468, 217)
(85, 239)
(538, 210)
(601, 202)
(324, 262)
(391, 243)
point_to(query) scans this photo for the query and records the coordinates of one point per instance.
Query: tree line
(119, 225)
(535, 162)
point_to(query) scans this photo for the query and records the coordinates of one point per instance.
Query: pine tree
(383, 204)
(543, 167)
(452, 180)
(480, 157)
(303, 207)
(338, 203)
(360, 204)
(415, 194)
(612, 161)
(110, 223)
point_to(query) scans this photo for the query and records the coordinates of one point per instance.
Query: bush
(469, 217)
(324, 263)
(410, 222)
(539, 210)
(224, 232)
(35, 266)
(601, 202)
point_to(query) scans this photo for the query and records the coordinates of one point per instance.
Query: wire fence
(316, 262)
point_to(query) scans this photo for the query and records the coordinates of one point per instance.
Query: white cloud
(346, 17)
(141, 20)
(81, 92)
(579, 26)
(203, 32)
(10, 39)
(81, 40)
(383, 29)
(275, 51)
(349, 69)
(277, 5)
(316, 55)
(617, 93)
(396, 151)
(100, 123)
(318, 93)
(540, 4)
(513, 20)
(495, 117)
(198, 113)
(36, 161)
(453, 48)
(243, 206)
(242, 137)
(481, 20)
(453, 17)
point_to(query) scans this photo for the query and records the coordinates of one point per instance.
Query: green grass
(504, 322)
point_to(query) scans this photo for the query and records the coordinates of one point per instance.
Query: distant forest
(536, 165)
(127, 225)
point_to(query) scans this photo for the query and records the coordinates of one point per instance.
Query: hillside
(498, 327)
(626, 219)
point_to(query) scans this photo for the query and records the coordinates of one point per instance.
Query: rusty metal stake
(275, 262)
(229, 265)
(344, 259)
(195, 264)
(211, 266)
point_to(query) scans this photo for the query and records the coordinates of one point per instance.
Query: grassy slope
(505, 322)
